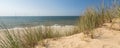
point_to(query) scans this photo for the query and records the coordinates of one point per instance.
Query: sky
(46, 7)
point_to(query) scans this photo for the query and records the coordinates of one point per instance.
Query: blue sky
(46, 7)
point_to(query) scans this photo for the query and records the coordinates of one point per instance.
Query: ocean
(27, 21)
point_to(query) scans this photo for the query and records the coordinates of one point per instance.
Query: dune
(105, 37)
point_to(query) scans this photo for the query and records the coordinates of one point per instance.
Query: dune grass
(31, 36)
(10, 39)
(27, 39)
(93, 18)
(88, 21)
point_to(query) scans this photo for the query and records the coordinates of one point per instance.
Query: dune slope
(105, 37)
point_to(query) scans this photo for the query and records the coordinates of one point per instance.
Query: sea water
(26, 21)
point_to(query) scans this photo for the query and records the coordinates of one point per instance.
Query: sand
(105, 37)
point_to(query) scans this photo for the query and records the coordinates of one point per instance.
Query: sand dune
(105, 37)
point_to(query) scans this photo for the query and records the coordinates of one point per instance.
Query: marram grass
(93, 18)
(26, 37)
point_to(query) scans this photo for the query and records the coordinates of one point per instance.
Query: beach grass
(94, 18)
(10, 39)
(27, 37)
